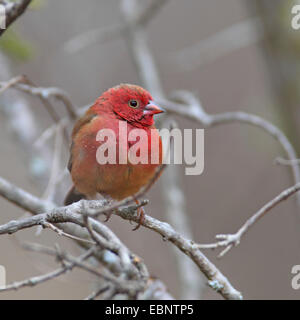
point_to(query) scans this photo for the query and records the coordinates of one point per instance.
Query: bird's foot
(141, 215)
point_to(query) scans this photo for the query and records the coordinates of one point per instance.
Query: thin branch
(45, 100)
(11, 83)
(23, 79)
(33, 281)
(97, 293)
(286, 162)
(230, 240)
(120, 285)
(62, 233)
(44, 97)
(45, 94)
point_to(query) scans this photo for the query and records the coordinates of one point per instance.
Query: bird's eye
(133, 104)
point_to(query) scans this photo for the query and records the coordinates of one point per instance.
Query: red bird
(125, 103)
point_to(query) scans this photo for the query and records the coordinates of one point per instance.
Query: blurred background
(234, 55)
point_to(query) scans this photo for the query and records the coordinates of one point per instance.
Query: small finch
(126, 104)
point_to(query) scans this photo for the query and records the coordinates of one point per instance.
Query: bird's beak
(152, 108)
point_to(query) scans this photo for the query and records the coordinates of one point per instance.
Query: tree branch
(230, 240)
(69, 221)
(215, 278)
(74, 214)
(33, 281)
(13, 10)
(44, 94)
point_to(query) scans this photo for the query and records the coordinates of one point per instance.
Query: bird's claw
(141, 215)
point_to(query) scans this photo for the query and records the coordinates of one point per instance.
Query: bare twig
(286, 162)
(120, 285)
(31, 282)
(230, 240)
(20, 81)
(62, 233)
(98, 292)
(45, 94)
(11, 83)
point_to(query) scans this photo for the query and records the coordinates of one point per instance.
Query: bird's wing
(83, 121)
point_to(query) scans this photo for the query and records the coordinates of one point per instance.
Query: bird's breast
(118, 180)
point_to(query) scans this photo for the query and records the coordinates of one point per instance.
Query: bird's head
(132, 103)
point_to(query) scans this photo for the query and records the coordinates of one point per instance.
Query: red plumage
(129, 104)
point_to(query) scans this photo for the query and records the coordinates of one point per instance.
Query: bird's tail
(73, 196)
